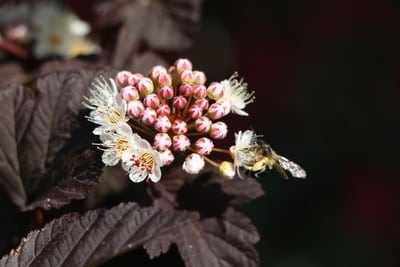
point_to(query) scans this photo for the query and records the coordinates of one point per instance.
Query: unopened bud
(129, 93)
(166, 92)
(226, 169)
(167, 157)
(122, 78)
(195, 111)
(204, 146)
(162, 141)
(218, 130)
(215, 90)
(187, 77)
(148, 116)
(151, 101)
(135, 108)
(199, 91)
(193, 164)
(199, 77)
(203, 124)
(202, 102)
(162, 124)
(179, 126)
(180, 142)
(179, 102)
(215, 111)
(163, 109)
(156, 70)
(183, 64)
(185, 89)
(133, 79)
(145, 86)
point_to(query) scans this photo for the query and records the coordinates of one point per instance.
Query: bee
(262, 158)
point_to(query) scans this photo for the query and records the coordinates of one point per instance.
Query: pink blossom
(203, 124)
(145, 86)
(179, 102)
(162, 141)
(163, 109)
(204, 146)
(180, 142)
(195, 111)
(135, 108)
(218, 130)
(122, 78)
(151, 101)
(167, 157)
(148, 116)
(179, 126)
(166, 92)
(183, 64)
(162, 124)
(199, 91)
(129, 93)
(215, 111)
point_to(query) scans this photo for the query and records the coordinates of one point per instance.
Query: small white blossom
(108, 108)
(142, 161)
(114, 143)
(193, 164)
(236, 93)
(244, 148)
(58, 31)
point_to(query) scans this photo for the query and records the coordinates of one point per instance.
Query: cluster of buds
(146, 121)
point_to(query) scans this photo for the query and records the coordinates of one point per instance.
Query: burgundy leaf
(225, 241)
(163, 25)
(70, 179)
(11, 73)
(98, 235)
(16, 104)
(206, 192)
(142, 63)
(38, 162)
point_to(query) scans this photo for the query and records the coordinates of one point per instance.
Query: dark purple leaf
(33, 172)
(75, 240)
(16, 104)
(11, 73)
(225, 241)
(70, 179)
(163, 25)
(206, 192)
(142, 63)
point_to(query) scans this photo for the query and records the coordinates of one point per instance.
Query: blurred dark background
(326, 76)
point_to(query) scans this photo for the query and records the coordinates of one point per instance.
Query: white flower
(243, 152)
(60, 32)
(114, 143)
(236, 93)
(193, 164)
(142, 161)
(108, 108)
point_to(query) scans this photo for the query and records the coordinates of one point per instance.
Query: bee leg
(281, 171)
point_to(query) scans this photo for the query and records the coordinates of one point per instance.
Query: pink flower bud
(122, 78)
(226, 104)
(166, 92)
(183, 64)
(215, 111)
(151, 101)
(148, 116)
(185, 89)
(218, 130)
(135, 108)
(155, 71)
(129, 93)
(202, 102)
(145, 86)
(163, 79)
(163, 109)
(167, 157)
(162, 141)
(187, 76)
(179, 126)
(180, 142)
(179, 102)
(226, 170)
(204, 146)
(215, 90)
(203, 124)
(195, 111)
(199, 77)
(199, 91)
(133, 79)
(162, 124)
(193, 164)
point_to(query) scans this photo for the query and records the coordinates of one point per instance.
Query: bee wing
(294, 169)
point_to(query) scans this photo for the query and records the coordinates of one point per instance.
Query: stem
(221, 150)
(213, 163)
(13, 49)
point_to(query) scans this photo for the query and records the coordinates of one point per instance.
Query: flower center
(122, 145)
(113, 117)
(144, 161)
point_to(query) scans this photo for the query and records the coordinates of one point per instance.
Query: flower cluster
(144, 122)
